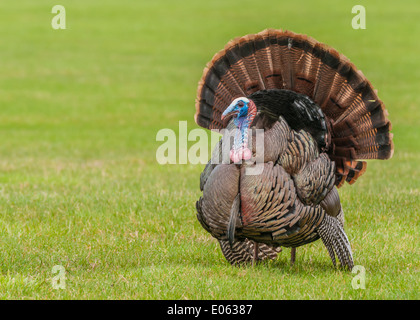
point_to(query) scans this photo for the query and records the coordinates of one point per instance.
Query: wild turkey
(321, 118)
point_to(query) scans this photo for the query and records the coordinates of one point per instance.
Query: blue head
(245, 110)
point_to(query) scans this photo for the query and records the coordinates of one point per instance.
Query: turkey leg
(255, 256)
(293, 256)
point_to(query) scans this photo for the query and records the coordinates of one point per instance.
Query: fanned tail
(273, 59)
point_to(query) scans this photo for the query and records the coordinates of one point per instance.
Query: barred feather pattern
(358, 122)
(335, 240)
(285, 205)
(301, 149)
(242, 252)
(272, 212)
(315, 180)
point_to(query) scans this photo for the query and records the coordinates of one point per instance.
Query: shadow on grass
(280, 266)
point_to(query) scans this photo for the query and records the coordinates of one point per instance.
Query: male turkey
(320, 117)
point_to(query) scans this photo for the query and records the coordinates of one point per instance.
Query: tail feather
(264, 62)
(285, 44)
(275, 59)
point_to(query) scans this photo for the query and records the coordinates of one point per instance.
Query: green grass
(79, 182)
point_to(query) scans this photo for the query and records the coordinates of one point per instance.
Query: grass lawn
(80, 186)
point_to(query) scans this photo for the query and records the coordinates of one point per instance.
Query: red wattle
(237, 155)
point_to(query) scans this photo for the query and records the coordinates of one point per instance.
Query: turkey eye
(241, 104)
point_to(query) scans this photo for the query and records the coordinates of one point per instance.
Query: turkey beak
(229, 112)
